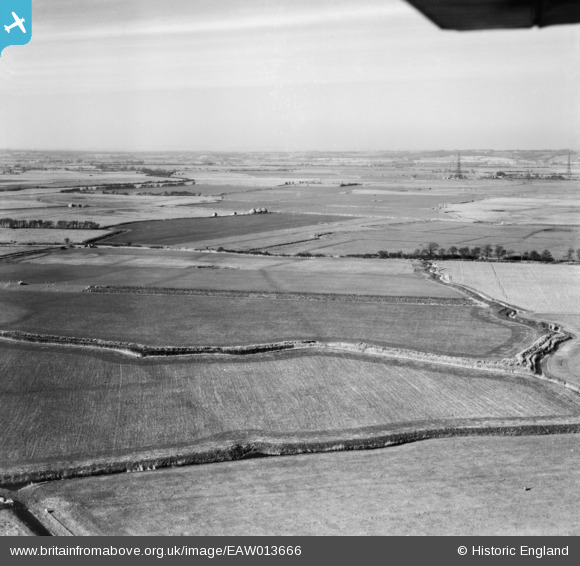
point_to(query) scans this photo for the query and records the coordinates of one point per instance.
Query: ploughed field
(460, 486)
(244, 319)
(187, 231)
(61, 406)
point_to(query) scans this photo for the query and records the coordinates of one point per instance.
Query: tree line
(434, 251)
(498, 252)
(59, 225)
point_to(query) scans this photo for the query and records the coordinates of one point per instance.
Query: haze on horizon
(280, 75)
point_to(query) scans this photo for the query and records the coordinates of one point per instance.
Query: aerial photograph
(290, 268)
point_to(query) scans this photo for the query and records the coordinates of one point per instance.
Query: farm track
(239, 446)
(287, 296)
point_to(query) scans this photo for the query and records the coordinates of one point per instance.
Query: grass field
(173, 268)
(534, 287)
(189, 231)
(470, 486)
(64, 405)
(11, 525)
(565, 362)
(173, 320)
(47, 236)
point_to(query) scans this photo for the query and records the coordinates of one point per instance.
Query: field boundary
(534, 356)
(526, 363)
(258, 444)
(280, 295)
(25, 254)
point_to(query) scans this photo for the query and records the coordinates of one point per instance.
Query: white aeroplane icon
(17, 22)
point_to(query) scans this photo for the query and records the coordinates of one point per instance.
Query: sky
(282, 75)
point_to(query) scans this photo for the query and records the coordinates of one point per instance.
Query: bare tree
(499, 251)
(464, 252)
(569, 254)
(432, 247)
(487, 249)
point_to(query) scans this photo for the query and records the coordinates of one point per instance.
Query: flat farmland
(183, 231)
(531, 286)
(378, 234)
(217, 320)
(70, 178)
(460, 486)
(62, 406)
(106, 210)
(556, 207)
(193, 270)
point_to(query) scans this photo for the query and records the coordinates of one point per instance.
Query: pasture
(530, 286)
(461, 486)
(62, 406)
(215, 320)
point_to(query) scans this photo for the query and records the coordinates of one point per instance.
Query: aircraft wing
(497, 14)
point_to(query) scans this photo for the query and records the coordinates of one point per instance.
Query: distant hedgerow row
(59, 225)
(434, 251)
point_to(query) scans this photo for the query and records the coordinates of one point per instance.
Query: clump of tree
(170, 194)
(487, 252)
(78, 190)
(59, 225)
(157, 172)
(431, 248)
